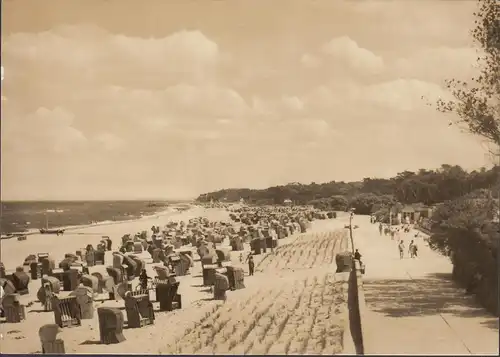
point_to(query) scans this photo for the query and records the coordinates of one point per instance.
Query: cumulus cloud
(347, 51)
(91, 53)
(181, 51)
(45, 129)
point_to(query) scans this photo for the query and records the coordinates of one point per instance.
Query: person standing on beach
(143, 279)
(401, 247)
(274, 237)
(380, 228)
(251, 265)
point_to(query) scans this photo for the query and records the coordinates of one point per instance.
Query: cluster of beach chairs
(70, 290)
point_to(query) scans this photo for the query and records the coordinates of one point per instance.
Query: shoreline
(164, 212)
(80, 236)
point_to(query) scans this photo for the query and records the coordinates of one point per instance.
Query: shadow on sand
(432, 295)
(197, 285)
(90, 342)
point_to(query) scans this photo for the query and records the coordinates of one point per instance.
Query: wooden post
(350, 230)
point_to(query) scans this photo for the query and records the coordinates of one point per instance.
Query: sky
(127, 99)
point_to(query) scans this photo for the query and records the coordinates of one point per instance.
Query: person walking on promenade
(2, 293)
(357, 255)
(410, 249)
(380, 228)
(415, 250)
(401, 247)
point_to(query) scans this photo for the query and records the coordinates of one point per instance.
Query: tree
(477, 103)
(338, 203)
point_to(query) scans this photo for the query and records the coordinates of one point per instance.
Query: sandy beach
(299, 276)
(76, 237)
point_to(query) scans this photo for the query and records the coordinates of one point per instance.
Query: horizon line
(97, 200)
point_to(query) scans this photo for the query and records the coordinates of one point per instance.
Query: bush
(463, 230)
(334, 203)
(367, 203)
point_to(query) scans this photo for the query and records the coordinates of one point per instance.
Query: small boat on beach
(46, 230)
(51, 231)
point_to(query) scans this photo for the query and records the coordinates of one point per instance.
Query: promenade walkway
(413, 307)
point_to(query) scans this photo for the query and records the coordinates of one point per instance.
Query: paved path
(413, 307)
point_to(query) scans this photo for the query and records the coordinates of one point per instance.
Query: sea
(26, 216)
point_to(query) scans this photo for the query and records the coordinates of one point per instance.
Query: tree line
(427, 187)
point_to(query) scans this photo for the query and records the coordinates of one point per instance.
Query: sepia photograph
(250, 177)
